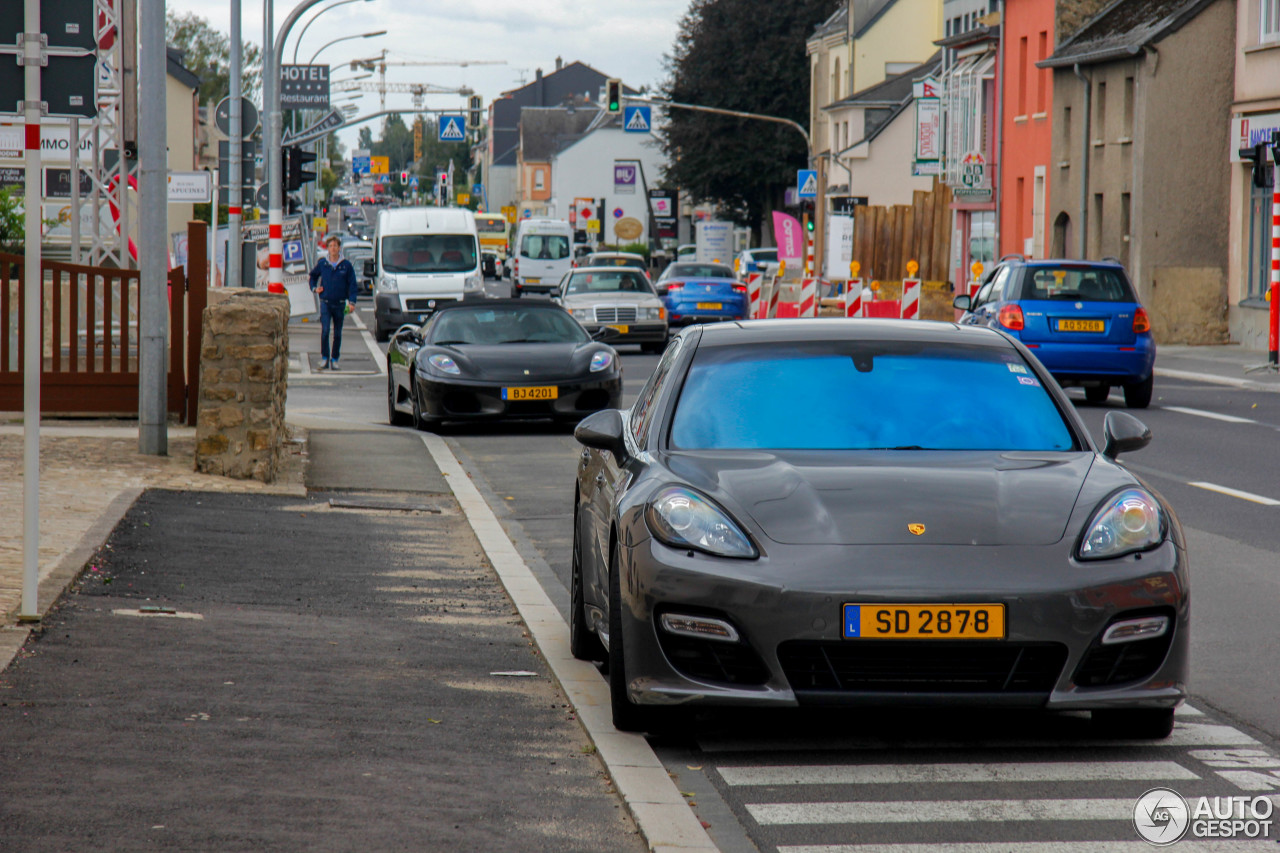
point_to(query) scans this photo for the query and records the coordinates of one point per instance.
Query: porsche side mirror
(962, 302)
(1123, 433)
(369, 269)
(603, 431)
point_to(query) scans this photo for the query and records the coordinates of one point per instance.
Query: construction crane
(417, 90)
(379, 63)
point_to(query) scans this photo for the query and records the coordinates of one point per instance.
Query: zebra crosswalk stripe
(890, 774)
(946, 811)
(1184, 846)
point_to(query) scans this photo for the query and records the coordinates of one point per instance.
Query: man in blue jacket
(337, 291)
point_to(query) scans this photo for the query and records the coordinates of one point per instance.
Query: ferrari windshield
(429, 253)
(865, 395)
(506, 325)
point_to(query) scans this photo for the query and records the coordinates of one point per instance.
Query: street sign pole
(31, 297)
(153, 175)
(235, 212)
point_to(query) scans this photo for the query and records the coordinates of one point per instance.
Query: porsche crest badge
(916, 529)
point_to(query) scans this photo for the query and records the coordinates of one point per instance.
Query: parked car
(763, 261)
(496, 360)
(940, 530)
(615, 259)
(1082, 319)
(620, 298)
(490, 263)
(359, 251)
(702, 293)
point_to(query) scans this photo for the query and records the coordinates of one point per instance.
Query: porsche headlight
(682, 518)
(444, 364)
(601, 361)
(1126, 522)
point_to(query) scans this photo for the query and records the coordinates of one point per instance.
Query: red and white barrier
(853, 298)
(808, 298)
(911, 299)
(753, 295)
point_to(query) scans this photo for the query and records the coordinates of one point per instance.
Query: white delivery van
(543, 254)
(423, 258)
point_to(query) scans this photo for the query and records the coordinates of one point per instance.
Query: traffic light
(474, 109)
(297, 159)
(613, 95)
(807, 213)
(404, 177)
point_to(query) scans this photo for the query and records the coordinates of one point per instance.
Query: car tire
(1097, 393)
(1138, 395)
(1135, 723)
(583, 642)
(515, 291)
(420, 421)
(395, 417)
(627, 716)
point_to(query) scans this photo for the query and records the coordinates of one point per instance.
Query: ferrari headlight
(1126, 522)
(473, 282)
(444, 364)
(601, 361)
(682, 518)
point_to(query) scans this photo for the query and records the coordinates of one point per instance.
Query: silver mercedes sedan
(620, 298)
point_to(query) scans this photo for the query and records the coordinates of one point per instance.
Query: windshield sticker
(1029, 380)
(1016, 368)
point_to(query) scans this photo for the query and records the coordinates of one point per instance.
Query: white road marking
(1186, 710)
(1201, 413)
(1184, 734)
(379, 358)
(941, 811)
(1236, 493)
(1213, 379)
(894, 774)
(1189, 845)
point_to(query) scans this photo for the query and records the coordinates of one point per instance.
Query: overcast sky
(624, 38)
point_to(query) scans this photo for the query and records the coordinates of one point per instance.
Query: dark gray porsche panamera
(872, 513)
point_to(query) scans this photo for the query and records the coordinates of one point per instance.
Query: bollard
(911, 293)
(808, 298)
(753, 295)
(853, 298)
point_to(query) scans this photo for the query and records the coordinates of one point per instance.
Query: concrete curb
(67, 569)
(660, 811)
(1215, 379)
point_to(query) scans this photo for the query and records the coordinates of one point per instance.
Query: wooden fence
(885, 238)
(89, 335)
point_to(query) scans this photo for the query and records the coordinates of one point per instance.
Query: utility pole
(153, 313)
(235, 180)
(270, 79)
(32, 286)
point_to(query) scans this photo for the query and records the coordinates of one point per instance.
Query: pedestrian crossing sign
(637, 119)
(452, 128)
(806, 183)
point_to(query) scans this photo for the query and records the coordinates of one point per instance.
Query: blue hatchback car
(701, 293)
(1082, 320)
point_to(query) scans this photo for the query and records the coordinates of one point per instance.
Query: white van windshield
(545, 247)
(429, 253)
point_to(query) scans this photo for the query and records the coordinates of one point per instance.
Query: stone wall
(244, 367)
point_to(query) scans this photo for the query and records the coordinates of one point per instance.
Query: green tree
(436, 155)
(395, 143)
(365, 138)
(207, 52)
(746, 55)
(12, 222)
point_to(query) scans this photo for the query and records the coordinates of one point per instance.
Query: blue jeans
(335, 312)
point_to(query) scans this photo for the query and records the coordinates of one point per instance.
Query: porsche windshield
(865, 395)
(506, 325)
(429, 253)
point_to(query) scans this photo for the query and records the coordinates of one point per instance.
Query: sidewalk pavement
(90, 473)
(1221, 365)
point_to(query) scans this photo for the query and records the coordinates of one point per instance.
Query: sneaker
(324, 364)
(333, 365)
